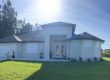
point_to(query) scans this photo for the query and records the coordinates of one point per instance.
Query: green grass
(16, 70)
(22, 70)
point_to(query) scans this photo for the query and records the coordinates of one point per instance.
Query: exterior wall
(75, 49)
(97, 49)
(8, 47)
(88, 49)
(18, 49)
(55, 30)
(84, 48)
(32, 50)
(91, 49)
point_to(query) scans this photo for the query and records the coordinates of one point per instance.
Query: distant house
(106, 52)
(54, 41)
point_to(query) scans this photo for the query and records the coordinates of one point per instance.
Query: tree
(0, 21)
(26, 27)
(19, 26)
(37, 27)
(9, 19)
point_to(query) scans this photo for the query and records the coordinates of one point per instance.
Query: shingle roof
(26, 37)
(12, 38)
(32, 37)
(85, 36)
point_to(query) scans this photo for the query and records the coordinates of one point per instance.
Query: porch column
(47, 48)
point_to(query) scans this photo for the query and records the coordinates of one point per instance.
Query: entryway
(59, 50)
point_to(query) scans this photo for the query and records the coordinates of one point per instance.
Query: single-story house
(55, 40)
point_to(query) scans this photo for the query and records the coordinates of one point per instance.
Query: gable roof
(85, 36)
(12, 38)
(58, 23)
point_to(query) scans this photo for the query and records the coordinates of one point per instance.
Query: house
(54, 41)
(106, 52)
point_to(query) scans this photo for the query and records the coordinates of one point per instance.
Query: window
(57, 49)
(62, 49)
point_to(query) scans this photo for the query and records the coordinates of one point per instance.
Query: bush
(80, 59)
(41, 55)
(68, 58)
(95, 59)
(73, 60)
(64, 57)
(101, 59)
(88, 60)
(7, 55)
(13, 56)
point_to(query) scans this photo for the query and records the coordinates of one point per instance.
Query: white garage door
(5, 48)
(31, 48)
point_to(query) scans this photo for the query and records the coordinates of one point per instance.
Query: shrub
(88, 60)
(13, 56)
(73, 60)
(41, 55)
(80, 59)
(68, 58)
(95, 59)
(64, 57)
(7, 55)
(101, 59)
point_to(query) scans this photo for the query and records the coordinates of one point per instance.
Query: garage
(9, 45)
(7, 49)
(32, 50)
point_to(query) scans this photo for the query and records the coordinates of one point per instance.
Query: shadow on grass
(65, 70)
(37, 74)
(27, 61)
(48, 71)
(68, 70)
(3, 61)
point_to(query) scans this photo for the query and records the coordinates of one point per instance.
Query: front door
(59, 50)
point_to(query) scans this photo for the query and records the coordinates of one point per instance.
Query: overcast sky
(92, 16)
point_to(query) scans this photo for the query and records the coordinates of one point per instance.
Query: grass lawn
(22, 70)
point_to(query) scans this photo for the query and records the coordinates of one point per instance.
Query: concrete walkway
(40, 59)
